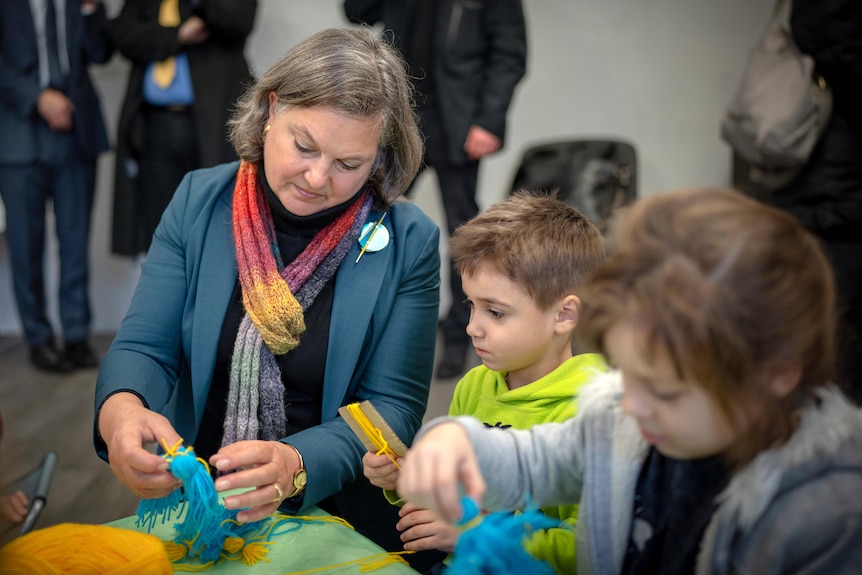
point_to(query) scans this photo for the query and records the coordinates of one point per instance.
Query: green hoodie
(483, 394)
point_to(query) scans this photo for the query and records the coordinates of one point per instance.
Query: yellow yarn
(77, 549)
(255, 551)
(366, 564)
(175, 551)
(373, 433)
(233, 544)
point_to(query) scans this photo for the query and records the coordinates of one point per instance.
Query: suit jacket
(381, 341)
(219, 74)
(480, 55)
(87, 41)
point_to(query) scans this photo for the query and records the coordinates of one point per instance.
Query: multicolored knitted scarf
(274, 300)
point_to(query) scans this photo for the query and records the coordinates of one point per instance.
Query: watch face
(300, 479)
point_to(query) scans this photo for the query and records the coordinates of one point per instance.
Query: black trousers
(457, 183)
(170, 151)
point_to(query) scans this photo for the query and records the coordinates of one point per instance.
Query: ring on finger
(279, 493)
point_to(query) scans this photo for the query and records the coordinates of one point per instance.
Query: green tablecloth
(313, 546)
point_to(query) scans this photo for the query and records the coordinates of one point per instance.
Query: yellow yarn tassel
(175, 551)
(255, 551)
(77, 549)
(233, 544)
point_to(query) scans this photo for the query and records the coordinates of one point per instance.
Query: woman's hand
(380, 470)
(435, 466)
(127, 427)
(422, 529)
(268, 466)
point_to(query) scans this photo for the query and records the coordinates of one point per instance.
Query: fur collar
(825, 429)
(827, 425)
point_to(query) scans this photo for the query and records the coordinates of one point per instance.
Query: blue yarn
(469, 511)
(149, 510)
(494, 546)
(207, 523)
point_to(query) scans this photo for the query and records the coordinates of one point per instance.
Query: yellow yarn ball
(77, 549)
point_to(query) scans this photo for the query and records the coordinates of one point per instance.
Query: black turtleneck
(301, 369)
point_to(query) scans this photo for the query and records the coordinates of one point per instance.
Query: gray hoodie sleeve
(541, 466)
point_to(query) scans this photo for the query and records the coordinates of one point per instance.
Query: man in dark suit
(52, 131)
(178, 123)
(466, 58)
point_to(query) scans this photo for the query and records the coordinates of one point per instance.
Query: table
(304, 550)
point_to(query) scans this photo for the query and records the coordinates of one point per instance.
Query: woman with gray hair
(282, 287)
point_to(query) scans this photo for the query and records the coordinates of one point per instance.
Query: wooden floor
(43, 411)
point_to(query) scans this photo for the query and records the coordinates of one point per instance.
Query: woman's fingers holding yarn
(127, 427)
(261, 465)
(144, 473)
(253, 511)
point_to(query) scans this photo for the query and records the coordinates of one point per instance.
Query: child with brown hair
(720, 445)
(522, 263)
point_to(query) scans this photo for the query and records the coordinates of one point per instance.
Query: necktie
(55, 74)
(164, 71)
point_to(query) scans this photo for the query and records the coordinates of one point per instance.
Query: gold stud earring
(265, 130)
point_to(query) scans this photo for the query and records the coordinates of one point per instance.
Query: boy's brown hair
(733, 291)
(540, 243)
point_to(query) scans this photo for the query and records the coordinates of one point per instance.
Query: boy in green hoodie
(522, 262)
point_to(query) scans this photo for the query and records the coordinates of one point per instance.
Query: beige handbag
(780, 109)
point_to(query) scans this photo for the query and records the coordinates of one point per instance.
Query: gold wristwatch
(300, 477)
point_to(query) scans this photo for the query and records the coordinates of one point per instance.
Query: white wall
(656, 72)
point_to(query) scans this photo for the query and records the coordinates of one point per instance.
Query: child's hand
(14, 507)
(422, 529)
(435, 466)
(380, 470)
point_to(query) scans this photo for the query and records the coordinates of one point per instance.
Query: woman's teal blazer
(381, 339)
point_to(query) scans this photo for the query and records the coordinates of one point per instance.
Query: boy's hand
(435, 466)
(380, 470)
(421, 529)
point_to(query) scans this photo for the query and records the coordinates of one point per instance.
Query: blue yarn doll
(208, 530)
(488, 545)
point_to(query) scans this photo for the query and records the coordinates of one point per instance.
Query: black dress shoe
(454, 360)
(47, 358)
(80, 354)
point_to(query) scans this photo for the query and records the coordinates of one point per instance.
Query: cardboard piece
(377, 421)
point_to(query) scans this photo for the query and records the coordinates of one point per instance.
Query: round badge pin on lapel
(373, 237)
